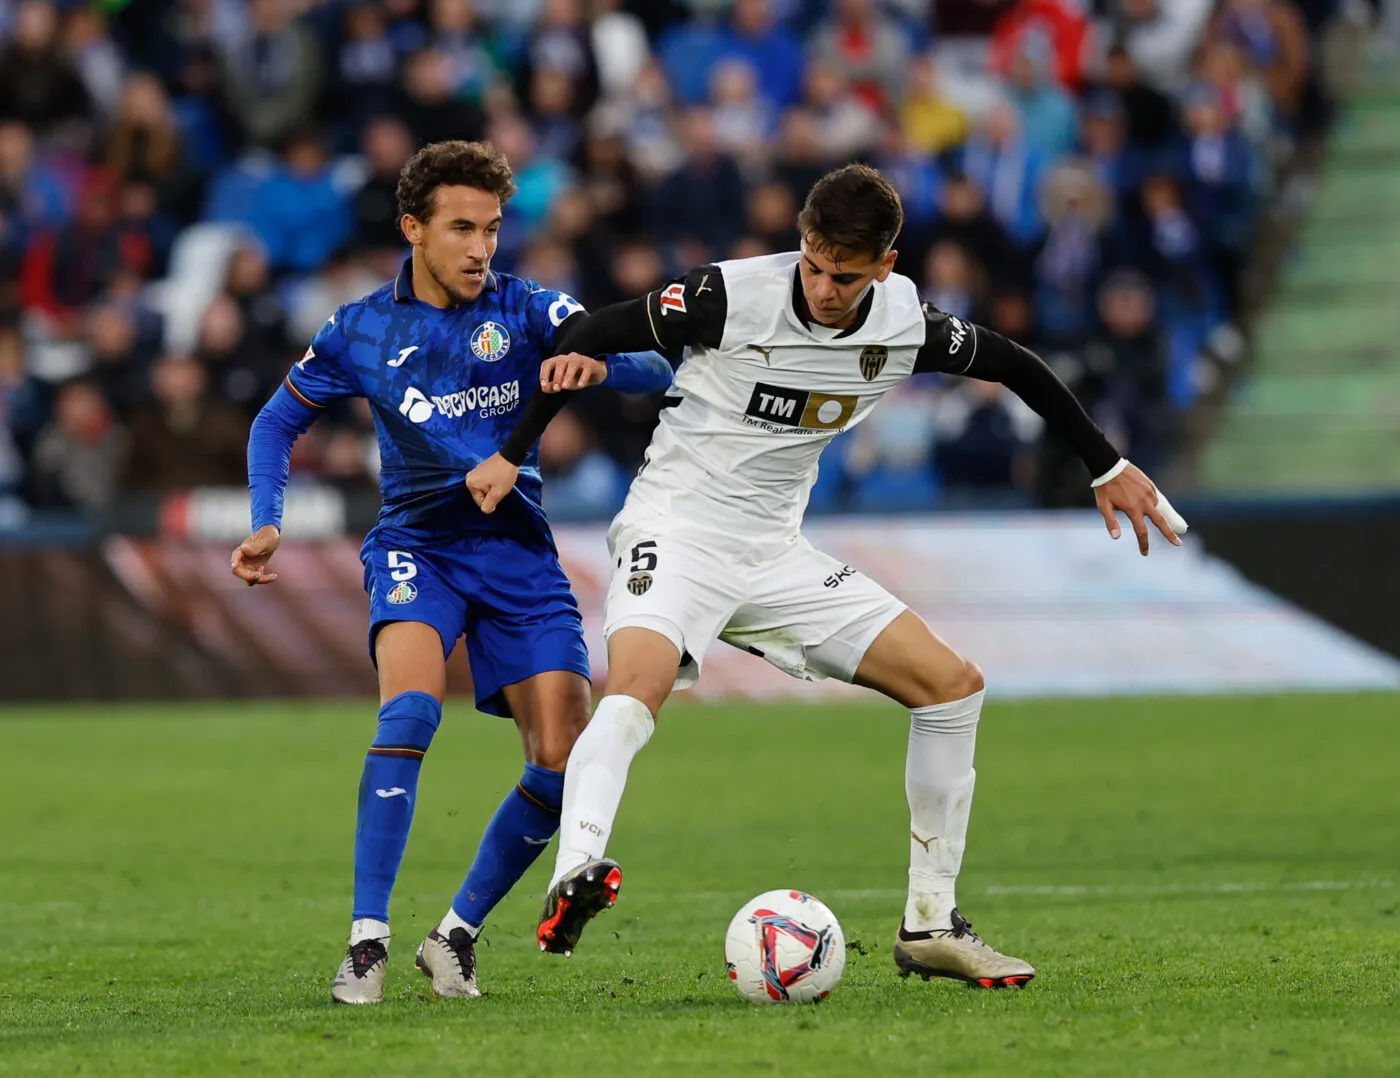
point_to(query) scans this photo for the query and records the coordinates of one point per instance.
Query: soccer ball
(784, 947)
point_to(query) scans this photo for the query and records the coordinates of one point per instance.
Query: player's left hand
(1133, 494)
(490, 481)
(571, 371)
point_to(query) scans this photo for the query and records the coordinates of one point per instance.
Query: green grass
(1207, 886)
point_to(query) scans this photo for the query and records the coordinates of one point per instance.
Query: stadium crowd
(189, 187)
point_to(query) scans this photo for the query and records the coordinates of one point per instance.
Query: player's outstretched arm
(956, 347)
(281, 421)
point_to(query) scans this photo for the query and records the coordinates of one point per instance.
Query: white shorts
(803, 611)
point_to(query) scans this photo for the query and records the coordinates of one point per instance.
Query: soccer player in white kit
(783, 353)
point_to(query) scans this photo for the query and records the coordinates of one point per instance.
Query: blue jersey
(446, 386)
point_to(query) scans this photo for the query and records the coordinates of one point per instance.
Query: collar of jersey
(403, 283)
(799, 306)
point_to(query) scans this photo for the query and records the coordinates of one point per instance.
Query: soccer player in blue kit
(446, 355)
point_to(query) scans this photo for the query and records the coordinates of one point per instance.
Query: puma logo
(703, 286)
(766, 353)
(926, 843)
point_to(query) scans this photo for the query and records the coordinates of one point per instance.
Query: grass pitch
(1207, 887)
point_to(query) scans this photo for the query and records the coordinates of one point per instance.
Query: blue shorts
(508, 597)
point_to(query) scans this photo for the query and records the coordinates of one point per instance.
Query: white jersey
(762, 391)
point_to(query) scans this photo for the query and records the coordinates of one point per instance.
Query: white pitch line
(1075, 889)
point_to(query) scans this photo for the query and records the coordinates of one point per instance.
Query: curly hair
(452, 164)
(854, 208)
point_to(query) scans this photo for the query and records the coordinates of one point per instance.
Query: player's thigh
(812, 615)
(664, 591)
(550, 709)
(409, 657)
(415, 616)
(910, 663)
(523, 622)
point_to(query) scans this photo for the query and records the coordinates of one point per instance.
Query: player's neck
(426, 288)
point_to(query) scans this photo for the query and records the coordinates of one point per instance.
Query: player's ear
(412, 229)
(887, 265)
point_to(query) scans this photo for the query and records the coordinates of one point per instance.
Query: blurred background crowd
(189, 187)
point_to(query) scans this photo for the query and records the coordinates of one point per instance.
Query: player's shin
(938, 780)
(595, 777)
(388, 791)
(517, 834)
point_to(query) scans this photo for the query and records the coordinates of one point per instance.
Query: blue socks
(515, 837)
(388, 791)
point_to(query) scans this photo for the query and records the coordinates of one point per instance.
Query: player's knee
(407, 721)
(650, 687)
(966, 680)
(953, 681)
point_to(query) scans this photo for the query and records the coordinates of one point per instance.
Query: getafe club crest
(490, 342)
(401, 593)
(872, 361)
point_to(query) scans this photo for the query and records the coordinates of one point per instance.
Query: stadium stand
(188, 187)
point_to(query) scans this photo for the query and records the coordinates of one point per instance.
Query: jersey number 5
(643, 556)
(401, 565)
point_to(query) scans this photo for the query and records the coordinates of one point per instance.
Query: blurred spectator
(801, 157)
(121, 345)
(1219, 170)
(1008, 169)
(1126, 368)
(453, 31)
(185, 437)
(387, 145)
(703, 200)
(772, 217)
(744, 122)
(957, 18)
(950, 281)
(365, 69)
(78, 456)
(1047, 113)
(97, 59)
(429, 105)
(69, 267)
(867, 49)
(39, 86)
(271, 77)
(1159, 36)
(1060, 22)
(1067, 268)
(32, 195)
(1274, 37)
(690, 51)
(983, 437)
(20, 410)
(539, 179)
(578, 477)
(300, 210)
(144, 143)
(562, 43)
(846, 127)
(966, 221)
(932, 124)
(1150, 115)
(620, 46)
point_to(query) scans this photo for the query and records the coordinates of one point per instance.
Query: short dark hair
(452, 164)
(854, 208)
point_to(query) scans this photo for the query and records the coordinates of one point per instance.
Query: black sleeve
(952, 346)
(688, 311)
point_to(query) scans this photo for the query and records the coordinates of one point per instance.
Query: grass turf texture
(1207, 886)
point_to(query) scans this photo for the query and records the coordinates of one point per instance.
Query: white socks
(454, 920)
(938, 780)
(595, 776)
(366, 928)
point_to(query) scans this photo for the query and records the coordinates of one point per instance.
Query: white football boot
(360, 978)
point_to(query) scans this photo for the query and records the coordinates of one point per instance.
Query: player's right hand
(249, 562)
(491, 480)
(572, 370)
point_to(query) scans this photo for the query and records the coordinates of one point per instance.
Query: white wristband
(1112, 473)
